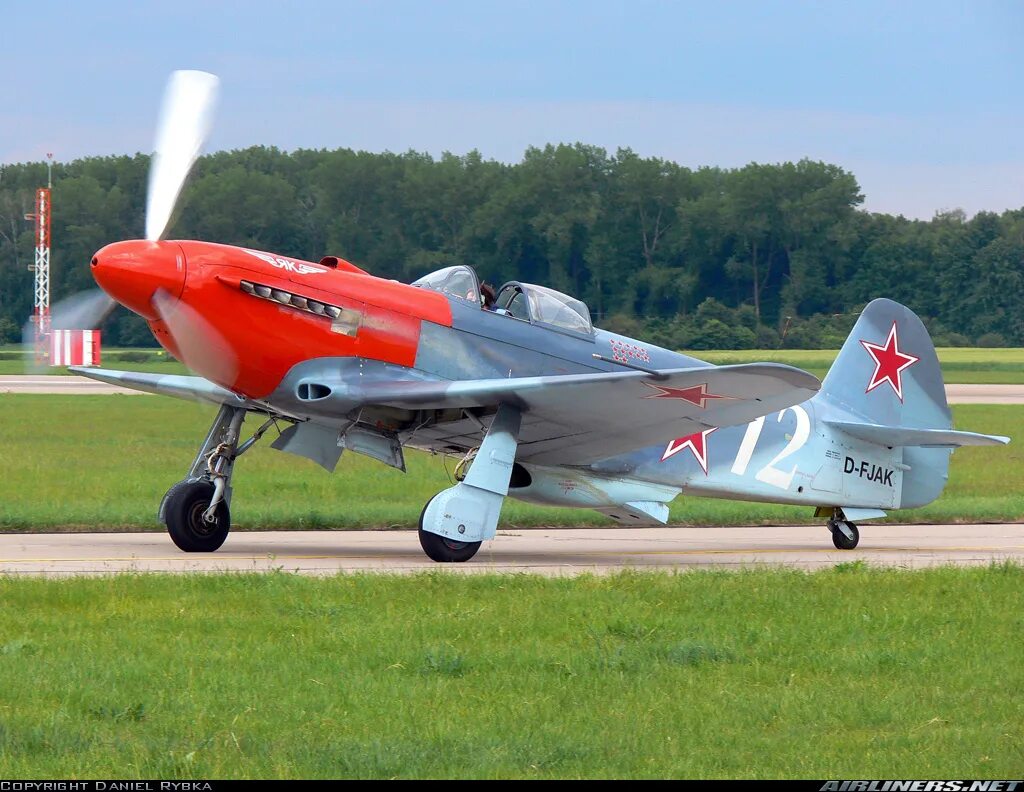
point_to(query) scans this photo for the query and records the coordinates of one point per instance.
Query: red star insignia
(696, 394)
(697, 443)
(889, 363)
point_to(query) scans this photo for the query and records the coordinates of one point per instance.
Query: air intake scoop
(312, 391)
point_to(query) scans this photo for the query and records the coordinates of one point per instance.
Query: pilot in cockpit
(487, 296)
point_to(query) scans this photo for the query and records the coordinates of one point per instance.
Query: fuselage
(294, 327)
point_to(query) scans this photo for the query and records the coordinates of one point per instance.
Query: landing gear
(441, 548)
(845, 534)
(185, 507)
(197, 510)
(456, 520)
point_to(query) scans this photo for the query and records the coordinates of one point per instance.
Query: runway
(542, 551)
(40, 383)
(43, 383)
(984, 394)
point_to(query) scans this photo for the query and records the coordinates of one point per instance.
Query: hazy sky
(922, 101)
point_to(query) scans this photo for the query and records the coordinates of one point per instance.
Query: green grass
(847, 673)
(959, 365)
(91, 462)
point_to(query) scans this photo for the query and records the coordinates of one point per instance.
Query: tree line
(766, 255)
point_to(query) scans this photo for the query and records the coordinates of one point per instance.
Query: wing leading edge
(177, 385)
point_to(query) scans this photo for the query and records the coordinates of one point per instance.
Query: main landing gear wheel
(183, 515)
(840, 539)
(441, 548)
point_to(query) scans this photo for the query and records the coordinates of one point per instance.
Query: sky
(921, 101)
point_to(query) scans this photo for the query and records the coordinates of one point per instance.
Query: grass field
(959, 365)
(846, 673)
(91, 462)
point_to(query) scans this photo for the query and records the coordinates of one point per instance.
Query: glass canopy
(526, 301)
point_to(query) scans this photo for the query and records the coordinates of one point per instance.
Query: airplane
(536, 402)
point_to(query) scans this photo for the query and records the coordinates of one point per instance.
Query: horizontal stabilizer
(177, 385)
(902, 436)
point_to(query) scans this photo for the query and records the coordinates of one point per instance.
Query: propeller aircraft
(539, 404)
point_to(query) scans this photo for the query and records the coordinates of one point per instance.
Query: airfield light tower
(41, 264)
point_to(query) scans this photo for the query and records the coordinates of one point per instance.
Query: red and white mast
(41, 265)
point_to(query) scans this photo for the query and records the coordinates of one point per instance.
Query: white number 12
(770, 474)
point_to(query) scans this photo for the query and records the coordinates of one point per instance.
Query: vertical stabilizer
(887, 375)
(887, 371)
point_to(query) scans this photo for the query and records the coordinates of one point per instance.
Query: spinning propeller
(185, 121)
(148, 276)
(183, 126)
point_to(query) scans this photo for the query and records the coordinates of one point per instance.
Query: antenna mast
(41, 264)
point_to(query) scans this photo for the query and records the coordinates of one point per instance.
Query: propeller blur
(185, 121)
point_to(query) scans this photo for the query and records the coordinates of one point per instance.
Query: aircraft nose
(132, 272)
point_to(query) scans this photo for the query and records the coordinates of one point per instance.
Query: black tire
(183, 515)
(441, 548)
(840, 540)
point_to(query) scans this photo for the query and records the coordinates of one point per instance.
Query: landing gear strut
(456, 520)
(197, 510)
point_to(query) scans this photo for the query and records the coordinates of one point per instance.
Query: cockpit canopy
(524, 301)
(544, 306)
(460, 281)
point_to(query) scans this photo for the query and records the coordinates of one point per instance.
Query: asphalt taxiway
(44, 383)
(562, 551)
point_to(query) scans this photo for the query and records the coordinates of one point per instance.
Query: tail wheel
(441, 548)
(183, 514)
(839, 537)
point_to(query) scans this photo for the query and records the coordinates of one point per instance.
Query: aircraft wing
(569, 419)
(579, 418)
(177, 385)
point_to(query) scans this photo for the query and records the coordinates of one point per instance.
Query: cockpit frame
(526, 302)
(545, 307)
(459, 281)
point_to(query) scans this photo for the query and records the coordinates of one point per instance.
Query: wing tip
(95, 372)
